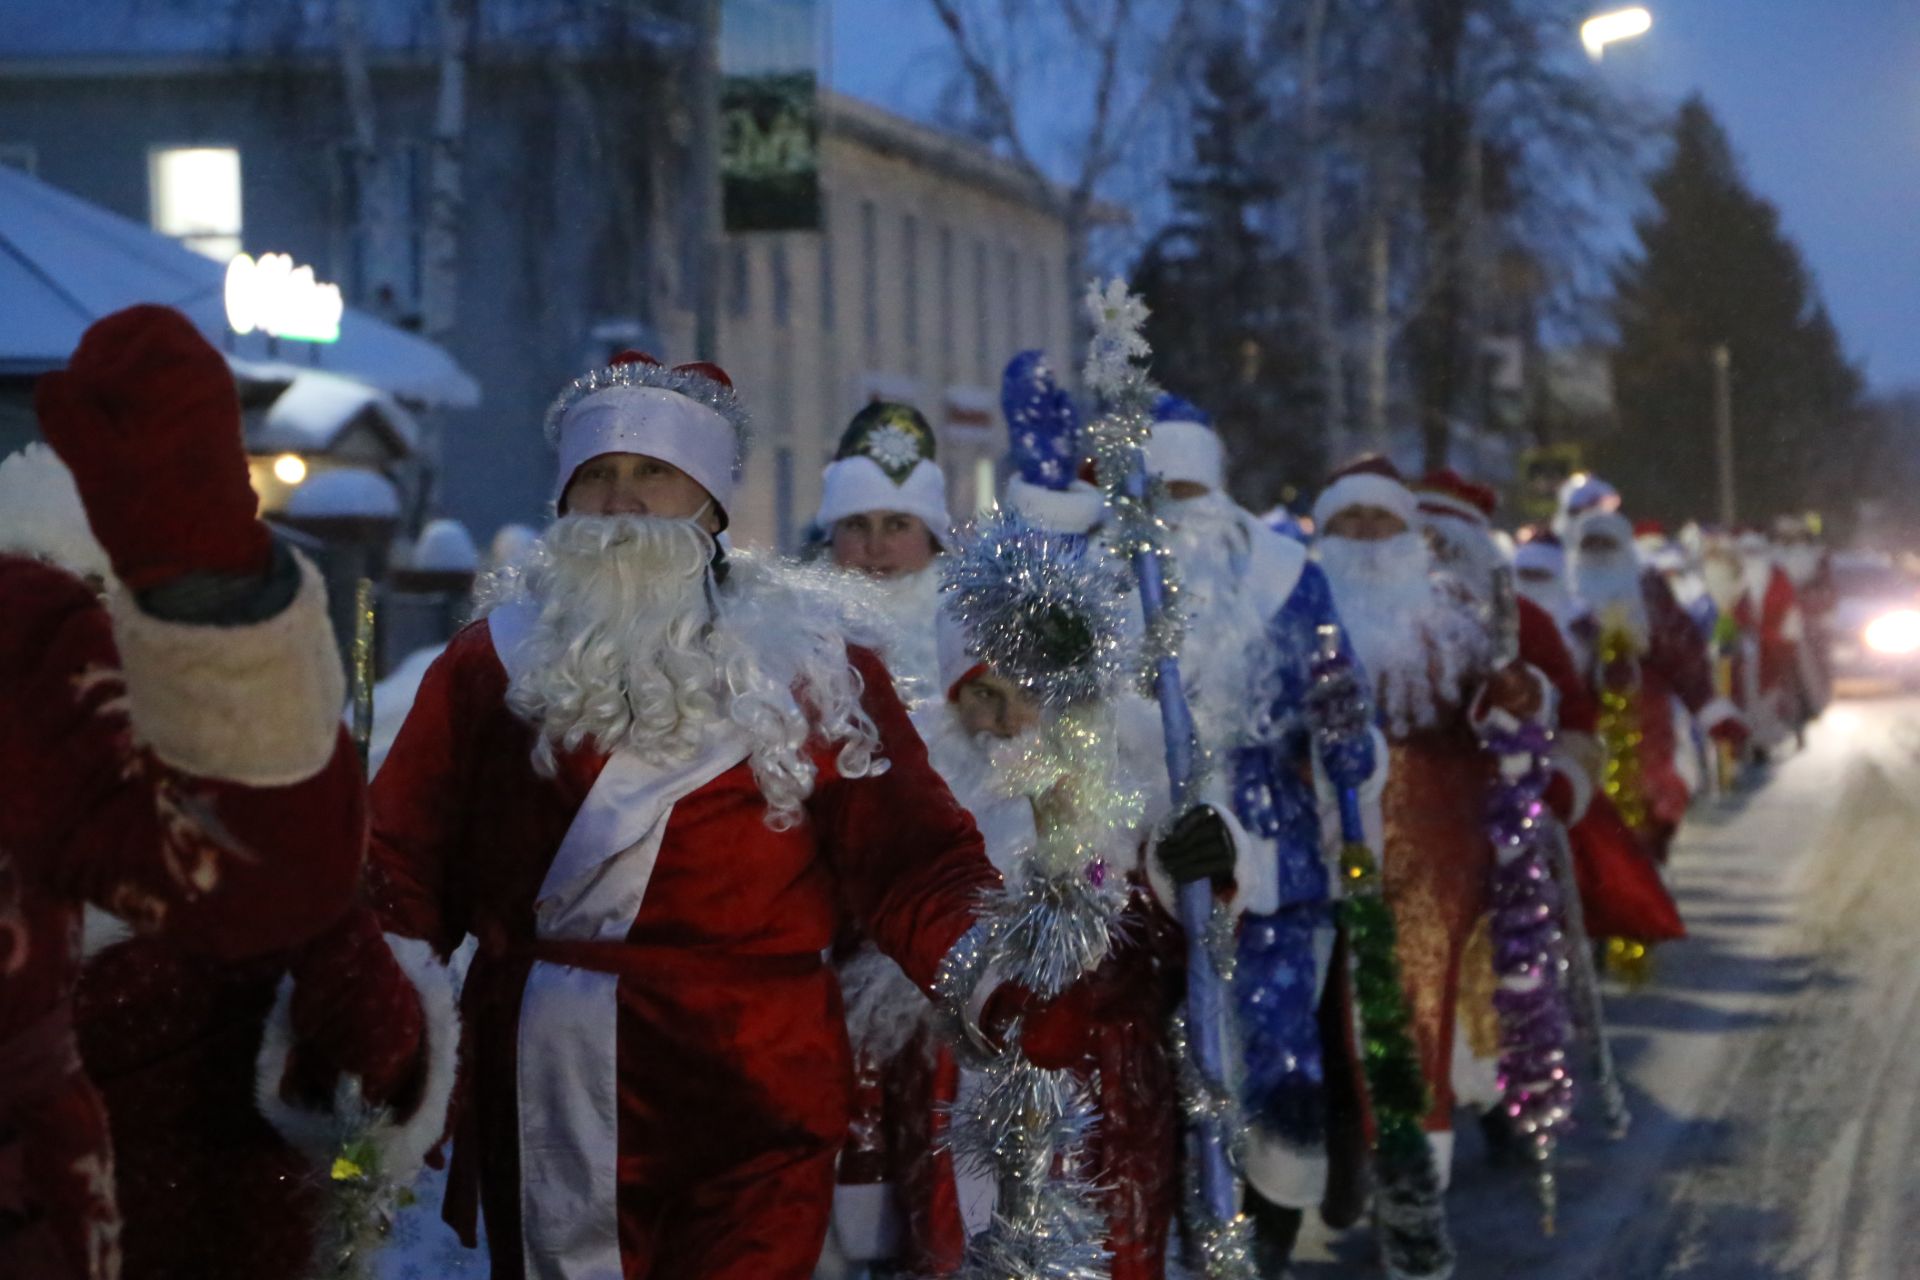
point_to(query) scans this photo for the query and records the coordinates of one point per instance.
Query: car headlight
(1895, 634)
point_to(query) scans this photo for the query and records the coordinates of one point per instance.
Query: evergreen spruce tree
(1227, 324)
(1715, 267)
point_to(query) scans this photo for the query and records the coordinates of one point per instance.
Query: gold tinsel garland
(1620, 730)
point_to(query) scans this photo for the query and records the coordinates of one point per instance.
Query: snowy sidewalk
(1782, 889)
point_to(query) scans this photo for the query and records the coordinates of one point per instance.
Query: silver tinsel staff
(1047, 617)
(1137, 535)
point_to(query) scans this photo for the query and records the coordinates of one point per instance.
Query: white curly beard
(635, 649)
(904, 609)
(1226, 658)
(1416, 633)
(1609, 586)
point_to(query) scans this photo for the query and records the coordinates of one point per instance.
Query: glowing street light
(1609, 28)
(289, 469)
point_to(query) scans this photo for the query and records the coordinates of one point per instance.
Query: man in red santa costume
(654, 782)
(1647, 650)
(1426, 646)
(1786, 678)
(172, 755)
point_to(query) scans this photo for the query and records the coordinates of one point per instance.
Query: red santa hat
(687, 415)
(1368, 481)
(1543, 552)
(885, 462)
(1448, 493)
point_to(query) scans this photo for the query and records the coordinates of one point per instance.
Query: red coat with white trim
(724, 1030)
(192, 780)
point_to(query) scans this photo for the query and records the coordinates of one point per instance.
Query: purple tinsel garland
(1529, 951)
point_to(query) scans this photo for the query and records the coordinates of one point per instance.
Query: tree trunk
(1379, 323)
(440, 243)
(378, 212)
(1444, 131)
(1326, 323)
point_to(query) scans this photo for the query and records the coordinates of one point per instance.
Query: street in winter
(959, 640)
(1770, 1061)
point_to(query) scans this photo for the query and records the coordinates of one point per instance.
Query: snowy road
(1773, 1064)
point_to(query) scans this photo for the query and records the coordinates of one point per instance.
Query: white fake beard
(1415, 645)
(1609, 585)
(1801, 563)
(1759, 576)
(906, 606)
(1224, 656)
(1724, 579)
(1554, 596)
(617, 657)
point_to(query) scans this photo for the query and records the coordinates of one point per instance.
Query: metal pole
(1723, 431)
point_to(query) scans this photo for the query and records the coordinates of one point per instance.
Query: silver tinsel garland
(1045, 616)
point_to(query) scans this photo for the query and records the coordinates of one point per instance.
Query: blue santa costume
(1254, 605)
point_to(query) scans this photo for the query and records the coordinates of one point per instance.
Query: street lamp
(1609, 28)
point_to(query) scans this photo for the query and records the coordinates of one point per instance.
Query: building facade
(936, 261)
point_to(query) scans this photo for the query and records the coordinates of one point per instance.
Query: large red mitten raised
(353, 1012)
(146, 418)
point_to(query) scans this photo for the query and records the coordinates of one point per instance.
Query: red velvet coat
(89, 813)
(731, 1049)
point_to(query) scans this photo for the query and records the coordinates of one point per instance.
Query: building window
(195, 197)
(870, 281)
(948, 368)
(739, 281)
(782, 286)
(1013, 301)
(910, 289)
(982, 344)
(19, 155)
(828, 306)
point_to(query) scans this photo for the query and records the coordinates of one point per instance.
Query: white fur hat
(885, 462)
(1368, 482)
(687, 415)
(1184, 445)
(41, 514)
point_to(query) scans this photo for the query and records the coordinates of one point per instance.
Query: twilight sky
(1821, 97)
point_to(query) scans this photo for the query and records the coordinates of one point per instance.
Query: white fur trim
(402, 1144)
(857, 485)
(656, 422)
(1364, 489)
(41, 514)
(1568, 764)
(1079, 508)
(1282, 1173)
(1609, 524)
(1476, 1080)
(1435, 503)
(100, 930)
(1441, 1144)
(1715, 714)
(256, 704)
(1188, 451)
(884, 1007)
(1793, 628)
(867, 1220)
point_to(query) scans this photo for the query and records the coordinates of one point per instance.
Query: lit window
(196, 198)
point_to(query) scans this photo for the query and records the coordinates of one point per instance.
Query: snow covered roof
(445, 546)
(64, 263)
(344, 492)
(316, 407)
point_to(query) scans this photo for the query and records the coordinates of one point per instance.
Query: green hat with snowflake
(885, 463)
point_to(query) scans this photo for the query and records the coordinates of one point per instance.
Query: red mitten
(146, 418)
(355, 1012)
(1733, 731)
(1054, 1034)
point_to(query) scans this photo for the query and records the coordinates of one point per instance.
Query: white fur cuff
(1076, 509)
(1255, 870)
(1716, 713)
(866, 1221)
(1569, 766)
(402, 1144)
(1285, 1174)
(256, 704)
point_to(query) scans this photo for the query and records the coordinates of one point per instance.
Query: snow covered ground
(1773, 1064)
